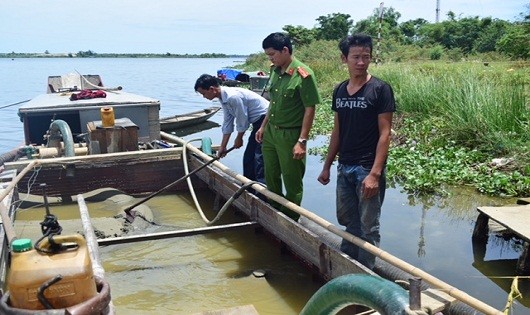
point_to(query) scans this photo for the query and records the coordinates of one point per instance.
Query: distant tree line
(459, 36)
(92, 54)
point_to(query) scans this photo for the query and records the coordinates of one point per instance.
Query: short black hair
(356, 40)
(277, 41)
(206, 81)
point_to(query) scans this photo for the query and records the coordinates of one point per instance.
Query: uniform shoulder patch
(303, 72)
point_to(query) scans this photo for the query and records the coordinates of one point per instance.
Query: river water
(431, 233)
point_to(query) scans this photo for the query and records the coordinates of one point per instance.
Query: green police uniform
(290, 93)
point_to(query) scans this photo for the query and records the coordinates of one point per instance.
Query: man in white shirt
(245, 108)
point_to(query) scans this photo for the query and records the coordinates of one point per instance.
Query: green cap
(22, 245)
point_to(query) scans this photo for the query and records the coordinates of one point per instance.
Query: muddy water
(195, 273)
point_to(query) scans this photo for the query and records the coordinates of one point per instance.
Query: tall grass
(482, 106)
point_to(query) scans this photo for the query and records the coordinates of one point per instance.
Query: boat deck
(515, 218)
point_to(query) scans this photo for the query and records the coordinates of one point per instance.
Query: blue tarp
(228, 74)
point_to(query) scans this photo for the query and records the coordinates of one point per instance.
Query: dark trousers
(253, 167)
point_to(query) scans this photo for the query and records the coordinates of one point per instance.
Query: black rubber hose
(10, 156)
(383, 268)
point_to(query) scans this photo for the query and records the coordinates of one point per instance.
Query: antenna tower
(377, 54)
(437, 11)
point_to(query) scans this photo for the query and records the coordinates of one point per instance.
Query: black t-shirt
(358, 119)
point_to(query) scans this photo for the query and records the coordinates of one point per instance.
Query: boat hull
(187, 120)
(133, 173)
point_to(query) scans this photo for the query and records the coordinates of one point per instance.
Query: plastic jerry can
(30, 269)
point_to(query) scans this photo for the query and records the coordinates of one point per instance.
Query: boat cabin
(62, 102)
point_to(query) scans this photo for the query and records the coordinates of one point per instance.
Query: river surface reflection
(432, 233)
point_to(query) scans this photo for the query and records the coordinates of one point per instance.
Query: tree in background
(411, 30)
(516, 41)
(389, 25)
(455, 38)
(300, 35)
(334, 26)
(492, 31)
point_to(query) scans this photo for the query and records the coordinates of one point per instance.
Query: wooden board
(515, 218)
(239, 310)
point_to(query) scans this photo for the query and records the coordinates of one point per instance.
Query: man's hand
(323, 178)
(370, 186)
(299, 151)
(259, 135)
(222, 152)
(238, 143)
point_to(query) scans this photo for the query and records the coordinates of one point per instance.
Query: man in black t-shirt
(364, 106)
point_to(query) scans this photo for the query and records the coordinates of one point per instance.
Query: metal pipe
(415, 294)
(171, 234)
(92, 244)
(60, 129)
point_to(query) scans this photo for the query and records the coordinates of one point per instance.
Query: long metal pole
(92, 244)
(437, 11)
(378, 49)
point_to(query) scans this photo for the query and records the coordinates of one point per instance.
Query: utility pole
(437, 11)
(377, 55)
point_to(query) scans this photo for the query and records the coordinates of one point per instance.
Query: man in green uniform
(284, 132)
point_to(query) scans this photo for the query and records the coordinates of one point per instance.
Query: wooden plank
(239, 310)
(105, 159)
(515, 217)
(435, 300)
(170, 234)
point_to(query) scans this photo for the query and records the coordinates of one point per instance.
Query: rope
(6, 106)
(7, 224)
(98, 87)
(514, 294)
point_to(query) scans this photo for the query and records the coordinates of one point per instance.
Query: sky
(195, 27)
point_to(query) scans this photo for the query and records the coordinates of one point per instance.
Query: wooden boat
(187, 119)
(147, 171)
